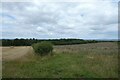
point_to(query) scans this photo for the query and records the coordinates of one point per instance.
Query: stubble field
(95, 60)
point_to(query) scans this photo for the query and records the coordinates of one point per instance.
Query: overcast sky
(93, 19)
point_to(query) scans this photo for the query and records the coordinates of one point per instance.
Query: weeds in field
(87, 61)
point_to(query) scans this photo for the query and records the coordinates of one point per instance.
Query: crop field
(92, 60)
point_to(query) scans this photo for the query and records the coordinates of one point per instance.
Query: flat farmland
(11, 53)
(95, 60)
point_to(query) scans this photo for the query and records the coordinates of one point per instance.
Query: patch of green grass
(82, 63)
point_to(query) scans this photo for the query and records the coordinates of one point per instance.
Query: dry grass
(97, 60)
(11, 53)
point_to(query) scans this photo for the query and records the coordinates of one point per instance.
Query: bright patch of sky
(88, 19)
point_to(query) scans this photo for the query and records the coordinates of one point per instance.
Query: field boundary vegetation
(43, 48)
(29, 42)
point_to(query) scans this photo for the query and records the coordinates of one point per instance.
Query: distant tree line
(29, 42)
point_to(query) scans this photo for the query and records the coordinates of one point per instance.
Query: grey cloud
(53, 20)
(11, 6)
(99, 28)
(41, 18)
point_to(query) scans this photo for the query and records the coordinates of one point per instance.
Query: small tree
(43, 48)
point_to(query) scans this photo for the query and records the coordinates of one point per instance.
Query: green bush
(43, 48)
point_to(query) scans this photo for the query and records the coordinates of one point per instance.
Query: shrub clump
(43, 48)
